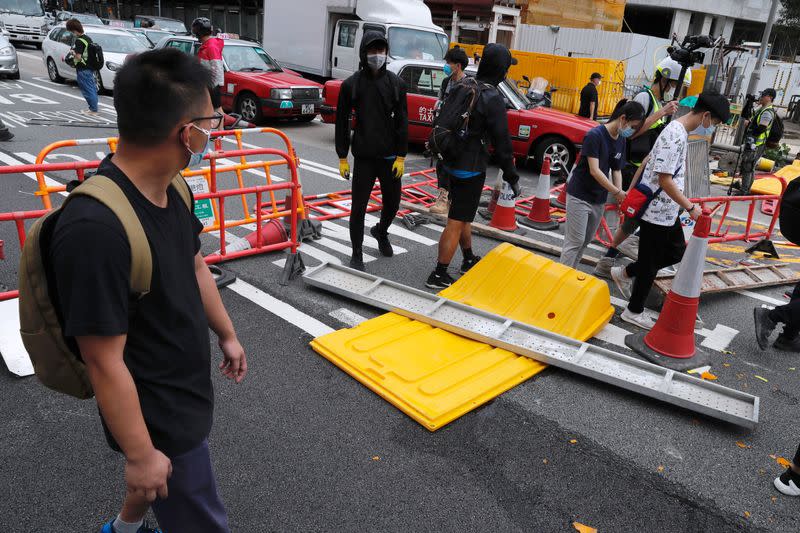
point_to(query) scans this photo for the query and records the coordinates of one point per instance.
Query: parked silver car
(9, 65)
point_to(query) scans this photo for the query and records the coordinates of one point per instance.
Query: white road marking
(11, 347)
(613, 334)
(719, 338)
(347, 317)
(74, 97)
(316, 253)
(281, 309)
(8, 160)
(254, 171)
(763, 298)
(13, 122)
(335, 231)
(337, 247)
(394, 229)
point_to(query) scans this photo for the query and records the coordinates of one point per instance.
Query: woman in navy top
(588, 187)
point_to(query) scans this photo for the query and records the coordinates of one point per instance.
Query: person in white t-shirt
(661, 241)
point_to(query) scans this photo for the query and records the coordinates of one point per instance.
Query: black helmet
(201, 27)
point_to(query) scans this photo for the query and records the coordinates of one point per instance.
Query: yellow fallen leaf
(783, 462)
(544, 461)
(726, 365)
(376, 458)
(708, 376)
(747, 514)
(773, 499)
(660, 468)
(791, 369)
(765, 380)
(583, 528)
(741, 444)
(573, 441)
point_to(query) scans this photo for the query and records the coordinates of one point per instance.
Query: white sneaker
(630, 247)
(603, 267)
(785, 483)
(622, 280)
(641, 320)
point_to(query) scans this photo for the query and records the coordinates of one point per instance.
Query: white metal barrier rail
(544, 346)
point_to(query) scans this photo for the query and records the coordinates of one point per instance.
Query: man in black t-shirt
(85, 75)
(588, 107)
(148, 358)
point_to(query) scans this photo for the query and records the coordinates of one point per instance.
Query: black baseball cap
(769, 92)
(716, 104)
(595, 76)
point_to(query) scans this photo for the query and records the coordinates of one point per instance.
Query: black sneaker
(439, 281)
(788, 483)
(787, 345)
(357, 260)
(764, 326)
(469, 263)
(6, 135)
(384, 245)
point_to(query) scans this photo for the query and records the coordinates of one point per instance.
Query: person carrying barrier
(148, 355)
(602, 151)
(377, 97)
(659, 101)
(210, 54)
(467, 156)
(85, 75)
(660, 199)
(456, 61)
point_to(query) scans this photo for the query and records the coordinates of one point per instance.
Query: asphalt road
(301, 446)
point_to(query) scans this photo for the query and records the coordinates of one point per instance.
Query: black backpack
(776, 133)
(451, 125)
(789, 217)
(94, 55)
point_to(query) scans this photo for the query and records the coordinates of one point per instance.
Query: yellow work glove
(399, 167)
(344, 169)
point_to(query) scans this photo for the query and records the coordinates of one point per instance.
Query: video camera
(687, 53)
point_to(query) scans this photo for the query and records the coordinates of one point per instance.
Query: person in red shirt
(210, 55)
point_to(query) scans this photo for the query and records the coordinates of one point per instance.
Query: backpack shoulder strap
(183, 190)
(108, 193)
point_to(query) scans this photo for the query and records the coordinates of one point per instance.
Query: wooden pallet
(733, 279)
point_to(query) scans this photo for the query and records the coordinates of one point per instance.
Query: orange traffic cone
(505, 213)
(272, 232)
(489, 211)
(671, 342)
(539, 217)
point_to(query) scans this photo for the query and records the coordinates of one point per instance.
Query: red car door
(422, 85)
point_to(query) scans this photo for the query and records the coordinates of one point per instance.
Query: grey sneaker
(630, 247)
(642, 320)
(622, 280)
(604, 266)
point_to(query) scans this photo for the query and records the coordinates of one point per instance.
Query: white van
(25, 21)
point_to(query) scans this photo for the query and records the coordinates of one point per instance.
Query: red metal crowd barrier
(292, 187)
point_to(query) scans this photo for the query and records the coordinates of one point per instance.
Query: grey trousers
(583, 219)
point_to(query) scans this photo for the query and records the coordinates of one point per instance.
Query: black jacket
(489, 122)
(380, 110)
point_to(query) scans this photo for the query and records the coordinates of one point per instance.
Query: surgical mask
(626, 132)
(197, 157)
(376, 61)
(704, 131)
(447, 70)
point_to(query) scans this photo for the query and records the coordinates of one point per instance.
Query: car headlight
(113, 67)
(6, 51)
(281, 94)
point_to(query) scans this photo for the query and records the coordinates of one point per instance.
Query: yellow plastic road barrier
(519, 284)
(435, 376)
(430, 374)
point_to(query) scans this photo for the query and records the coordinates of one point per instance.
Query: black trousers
(789, 315)
(365, 170)
(659, 246)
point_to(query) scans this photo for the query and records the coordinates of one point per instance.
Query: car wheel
(249, 108)
(560, 151)
(52, 71)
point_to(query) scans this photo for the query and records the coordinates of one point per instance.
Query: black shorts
(216, 97)
(465, 195)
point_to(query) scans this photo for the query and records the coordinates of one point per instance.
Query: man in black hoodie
(488, 124)
(379, 144)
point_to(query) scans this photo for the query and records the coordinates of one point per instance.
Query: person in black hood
(488, 124)
(379, 143)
